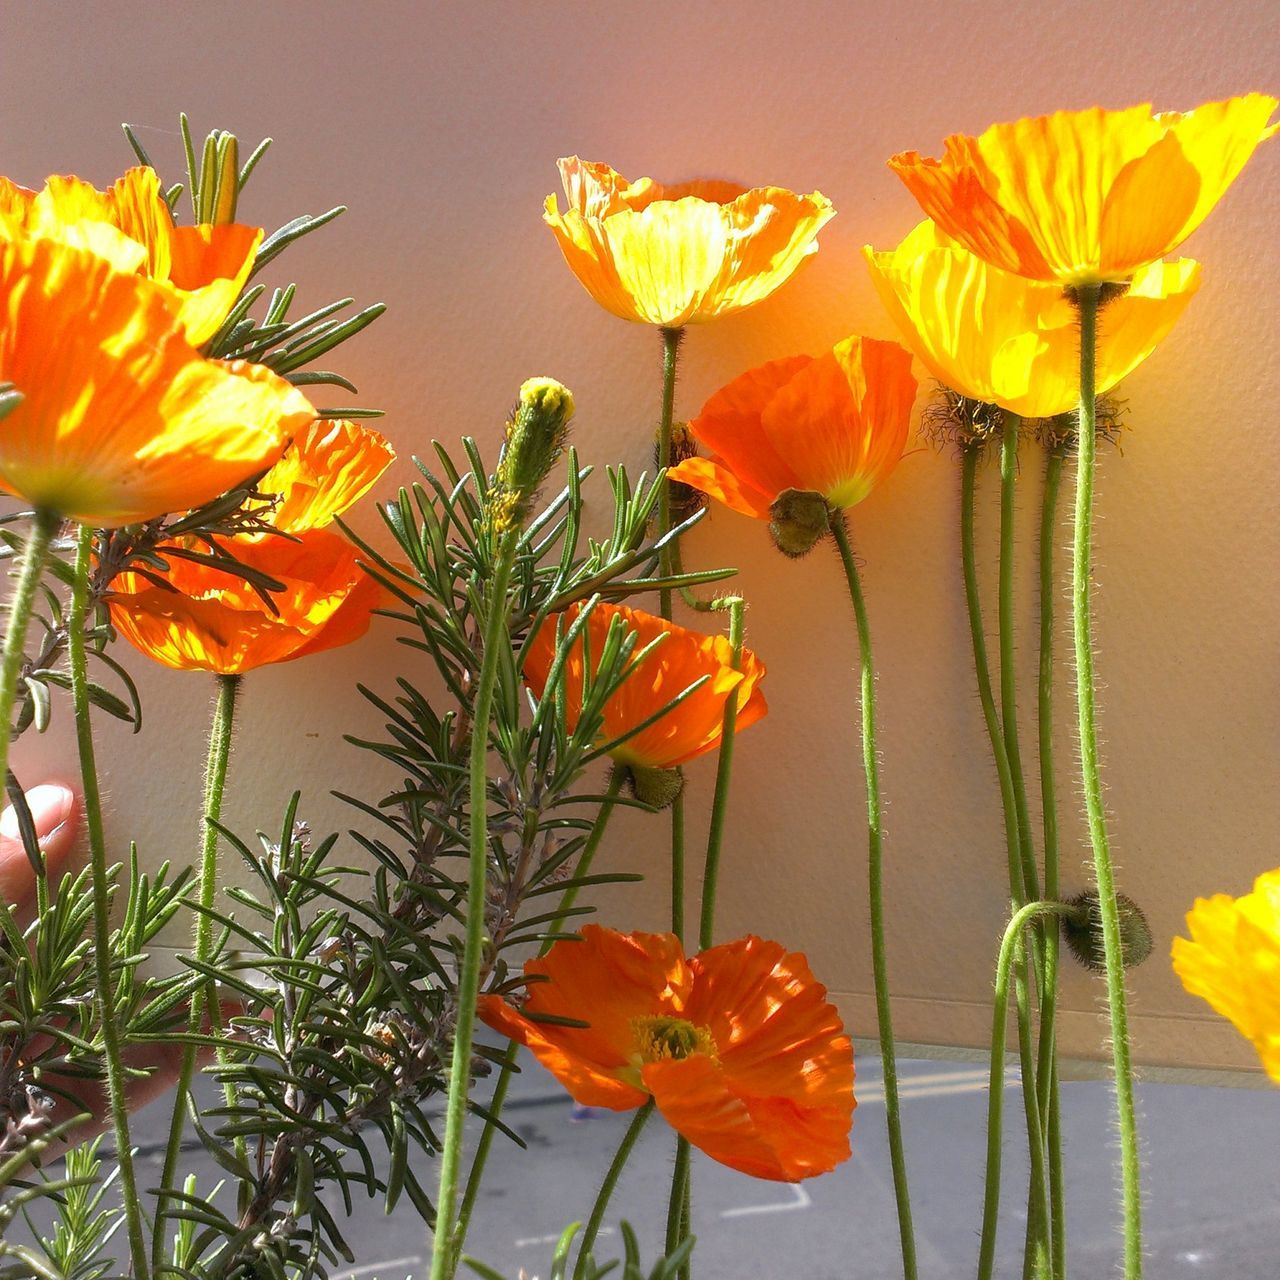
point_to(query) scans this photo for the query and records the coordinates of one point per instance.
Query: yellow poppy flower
(677, 255)
(1083, 197)
(202, 267)
(1232, 960)
(1002, 339)
(121, 419)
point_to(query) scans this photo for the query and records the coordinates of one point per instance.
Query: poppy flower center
(662, 1037)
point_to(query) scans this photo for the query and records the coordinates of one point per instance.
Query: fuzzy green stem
(204, 997)
(1047, 1062)
(678, 1202)
(1037, 1194)
(507, 1068)
(875, 873)
(77, 657)
(21, 608)
(444, 1248)
(598, 1210)
(1130, 1169)
(720, 802)
(1006, 964)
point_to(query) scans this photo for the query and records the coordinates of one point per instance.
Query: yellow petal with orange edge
(121, 419)
(1087, 196)
(210, 266)
(328, 466)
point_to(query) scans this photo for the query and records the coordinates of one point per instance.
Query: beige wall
(440, 125)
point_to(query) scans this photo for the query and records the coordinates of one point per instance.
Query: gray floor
(1213, 1188)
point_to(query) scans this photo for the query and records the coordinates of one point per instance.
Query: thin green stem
(1037, 1198)
(444, 1248)
(677, 1203)
(507, 1068)
(720, 801)
(875, 871)
(204, 997)
(1006, 965)
(1047, 1061)
(1008, 662)
(1130, 1170)
(598, 1210)
(671, 339)
(21, 608)
(77, 657)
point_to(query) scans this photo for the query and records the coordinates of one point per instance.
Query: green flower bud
(800, 518)
(536, 434)
(1082, 931)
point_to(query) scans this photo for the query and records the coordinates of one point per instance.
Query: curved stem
(444, 1250)
(1087, 301)
(875, 868)
(1037, 1198)
(21, 608)
(77, 657)
(204, 997)
(1047, 1061)
(601, 1205)
(507, 1068)
(1010, 951)
(720, 801)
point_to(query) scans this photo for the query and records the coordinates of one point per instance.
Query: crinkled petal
(716, 480)
(210, 266)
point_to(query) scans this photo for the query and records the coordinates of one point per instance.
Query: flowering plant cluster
(185, 494)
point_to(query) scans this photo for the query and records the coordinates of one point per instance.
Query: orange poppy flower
(834, 424)
(683, 254)
(738, 1046)
(329, 465)
(1232, 960)
(1006, 340)
(122, 420)
(1082, 197)
(688, 730)
(208, 620)
(203, 268)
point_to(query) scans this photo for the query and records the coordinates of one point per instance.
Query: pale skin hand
(55, 810)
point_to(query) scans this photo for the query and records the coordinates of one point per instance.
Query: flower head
(1083, 197)
(834, 425)
(738, 1046)
(1232, 960)
(201, 268)
(682, 254)
(195, 617)
(679, 660)
(121, 419)
(1002, 339)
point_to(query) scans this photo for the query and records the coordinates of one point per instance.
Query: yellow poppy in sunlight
(834, 424)
(680, 254)
(198, 618)
(691, 728)
(1083, 197)
(203, 267)
(1006, 340)
(738, 1046)
(1232, 960)
(121, 419)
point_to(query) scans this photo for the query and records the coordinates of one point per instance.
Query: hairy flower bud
(658, 788)
(536, 434)
(1082, 931)
(799, 518)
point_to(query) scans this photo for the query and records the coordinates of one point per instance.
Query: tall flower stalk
(1087, 300)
